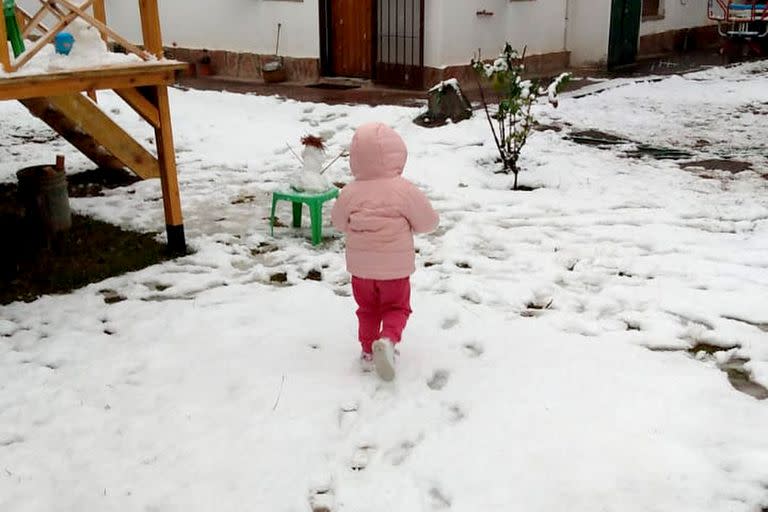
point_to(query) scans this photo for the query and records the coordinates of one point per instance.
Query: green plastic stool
(12, 27)
(313, 200)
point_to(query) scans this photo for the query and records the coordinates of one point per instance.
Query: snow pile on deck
(88, 51)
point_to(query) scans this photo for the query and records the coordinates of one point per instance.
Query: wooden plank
(167, 159)
(35, 21)
(5, 56)
(87, 145)
(150, 25)
(104, 29)
(166, 155)
(28, 18)
(21, 21)
(144, 27)
(141, 105)
(100, 13)
(91, 120)
(55, 84)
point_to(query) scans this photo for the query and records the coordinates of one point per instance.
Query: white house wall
(677, 14)
(589, 24)
(454, 32)
(235, 25)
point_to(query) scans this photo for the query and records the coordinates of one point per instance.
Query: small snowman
(310, 178)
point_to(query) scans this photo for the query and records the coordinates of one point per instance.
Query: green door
(625, 32)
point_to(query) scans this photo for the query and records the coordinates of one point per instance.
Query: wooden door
(624, 32)
(351, 41)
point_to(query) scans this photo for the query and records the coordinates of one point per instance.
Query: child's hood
(377, 152)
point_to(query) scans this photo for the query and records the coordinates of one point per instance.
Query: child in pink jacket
(379, 212)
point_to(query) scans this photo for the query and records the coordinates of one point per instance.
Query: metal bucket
(43, 193)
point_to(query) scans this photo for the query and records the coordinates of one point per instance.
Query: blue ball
(63, 43)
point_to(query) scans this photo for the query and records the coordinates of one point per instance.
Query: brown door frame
(326, 38)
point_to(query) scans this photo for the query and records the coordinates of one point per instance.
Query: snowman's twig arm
(343, 153)
(294, 153)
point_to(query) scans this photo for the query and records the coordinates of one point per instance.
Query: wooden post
(166, 157)
(150, 27)
(100, 13)
(5, 57)
(166, 153)
(20, 19)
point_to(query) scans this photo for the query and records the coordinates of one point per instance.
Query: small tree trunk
(514, 187)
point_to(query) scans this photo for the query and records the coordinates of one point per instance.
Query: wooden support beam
(5, 56)
(100, 13)
(141, 105)
(41, 108)
(150, 27)
(166, 155)
(66, 82)
(21, 21)
(35, 22)
(75, 112)
(22, 18)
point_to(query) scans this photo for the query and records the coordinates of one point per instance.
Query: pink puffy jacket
(380, 210)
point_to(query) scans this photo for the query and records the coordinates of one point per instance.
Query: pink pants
(383, 309)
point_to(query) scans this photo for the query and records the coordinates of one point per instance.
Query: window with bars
(400, 47)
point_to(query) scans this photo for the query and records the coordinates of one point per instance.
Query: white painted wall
(454, 32)
(677, 14)
(588, 29)
(237, 25)
(589, 25)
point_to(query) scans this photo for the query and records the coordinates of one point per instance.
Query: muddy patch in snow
(90, 252)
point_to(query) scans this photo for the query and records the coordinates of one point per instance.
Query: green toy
(12, 27)
(315, 203)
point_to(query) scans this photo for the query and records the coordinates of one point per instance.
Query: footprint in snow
(9, 440)
(473, 349)
(455, 412)
(322, 497)
(398, 454)
(450, 322)
(438, 380)
(342, 292)
(362, 457)
(472, 297)
(347, 414)
(438, 499)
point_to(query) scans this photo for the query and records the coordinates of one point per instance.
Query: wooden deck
(23, 86)
(58, 97)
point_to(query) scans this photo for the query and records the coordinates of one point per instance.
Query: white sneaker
(384, 359)
(366, 362)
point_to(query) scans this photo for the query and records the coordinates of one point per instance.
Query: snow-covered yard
(546, 366)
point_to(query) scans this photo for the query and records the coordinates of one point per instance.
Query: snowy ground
(527, 379)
